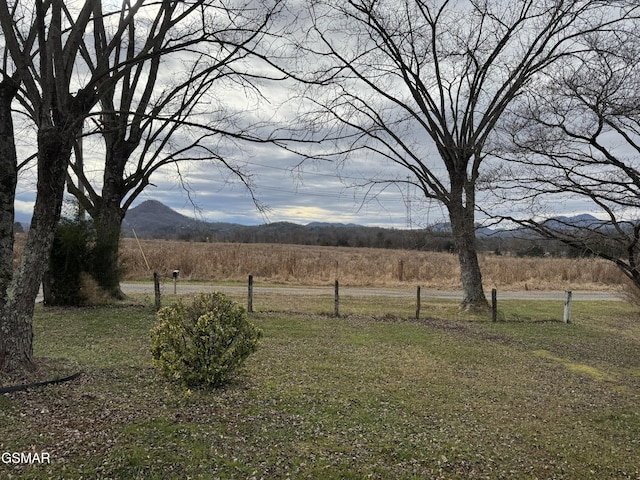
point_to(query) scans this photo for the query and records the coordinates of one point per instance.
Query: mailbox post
(175, 281)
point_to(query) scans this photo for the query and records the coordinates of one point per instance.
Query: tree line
(486, 105)
(520, 242)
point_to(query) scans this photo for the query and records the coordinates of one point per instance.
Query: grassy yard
(368, 395)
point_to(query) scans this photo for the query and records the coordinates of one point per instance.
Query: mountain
(577, 221)
(151, 214)
(329, 224)
(153, 219)
(444, 228)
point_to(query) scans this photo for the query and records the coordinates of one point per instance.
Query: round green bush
(205, 343)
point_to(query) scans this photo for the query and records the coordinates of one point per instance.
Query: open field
(370, 395)
(313, 266)
(310, 265)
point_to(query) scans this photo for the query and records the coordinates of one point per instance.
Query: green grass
(370, 395)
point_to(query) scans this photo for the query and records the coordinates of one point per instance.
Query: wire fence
(336, 300)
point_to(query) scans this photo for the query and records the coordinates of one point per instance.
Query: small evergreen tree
(71, 256)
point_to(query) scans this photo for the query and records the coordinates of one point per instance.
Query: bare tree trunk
(462, 217)
(54, 151)
(8, 182)
(471, 276)
(107, 214)
(108, 225)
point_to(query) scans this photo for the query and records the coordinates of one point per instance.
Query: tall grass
(314, 265)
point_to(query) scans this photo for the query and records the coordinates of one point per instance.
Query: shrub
(70, 257)
(204, 343)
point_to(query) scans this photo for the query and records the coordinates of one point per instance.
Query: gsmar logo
(28, 458)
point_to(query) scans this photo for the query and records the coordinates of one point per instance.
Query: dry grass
(313, 265)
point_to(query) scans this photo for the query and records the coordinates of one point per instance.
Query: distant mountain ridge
(153, 219)
(151, 214)
(578, 221)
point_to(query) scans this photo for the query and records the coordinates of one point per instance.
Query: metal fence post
(156, 289)
(494, 305)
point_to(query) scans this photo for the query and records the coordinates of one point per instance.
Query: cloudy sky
(288, 191)
(319, 191)
(314, 192)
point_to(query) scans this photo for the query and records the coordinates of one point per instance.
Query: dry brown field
(314, 265)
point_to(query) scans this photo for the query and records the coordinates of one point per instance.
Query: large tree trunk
(8, 182)
(462, 216)
(108, 225)
(54, 151)
(107, 213)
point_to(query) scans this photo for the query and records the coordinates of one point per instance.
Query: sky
(284, 191)
(287, 191)
(315, 192)
(319, 191)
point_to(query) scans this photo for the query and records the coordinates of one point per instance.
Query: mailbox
(175, 281)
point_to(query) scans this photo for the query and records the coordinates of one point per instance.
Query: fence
(404, 295)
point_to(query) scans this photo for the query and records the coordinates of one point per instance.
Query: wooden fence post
(494, 305)
(567, 307)
(418, 303)
(336, 300)
(250, 295)
(156, 289)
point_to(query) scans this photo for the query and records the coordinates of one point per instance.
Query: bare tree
(8, 182)
(149, 120)
(422, 84)
(53, 107)
(42, 50)
(577, 137)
